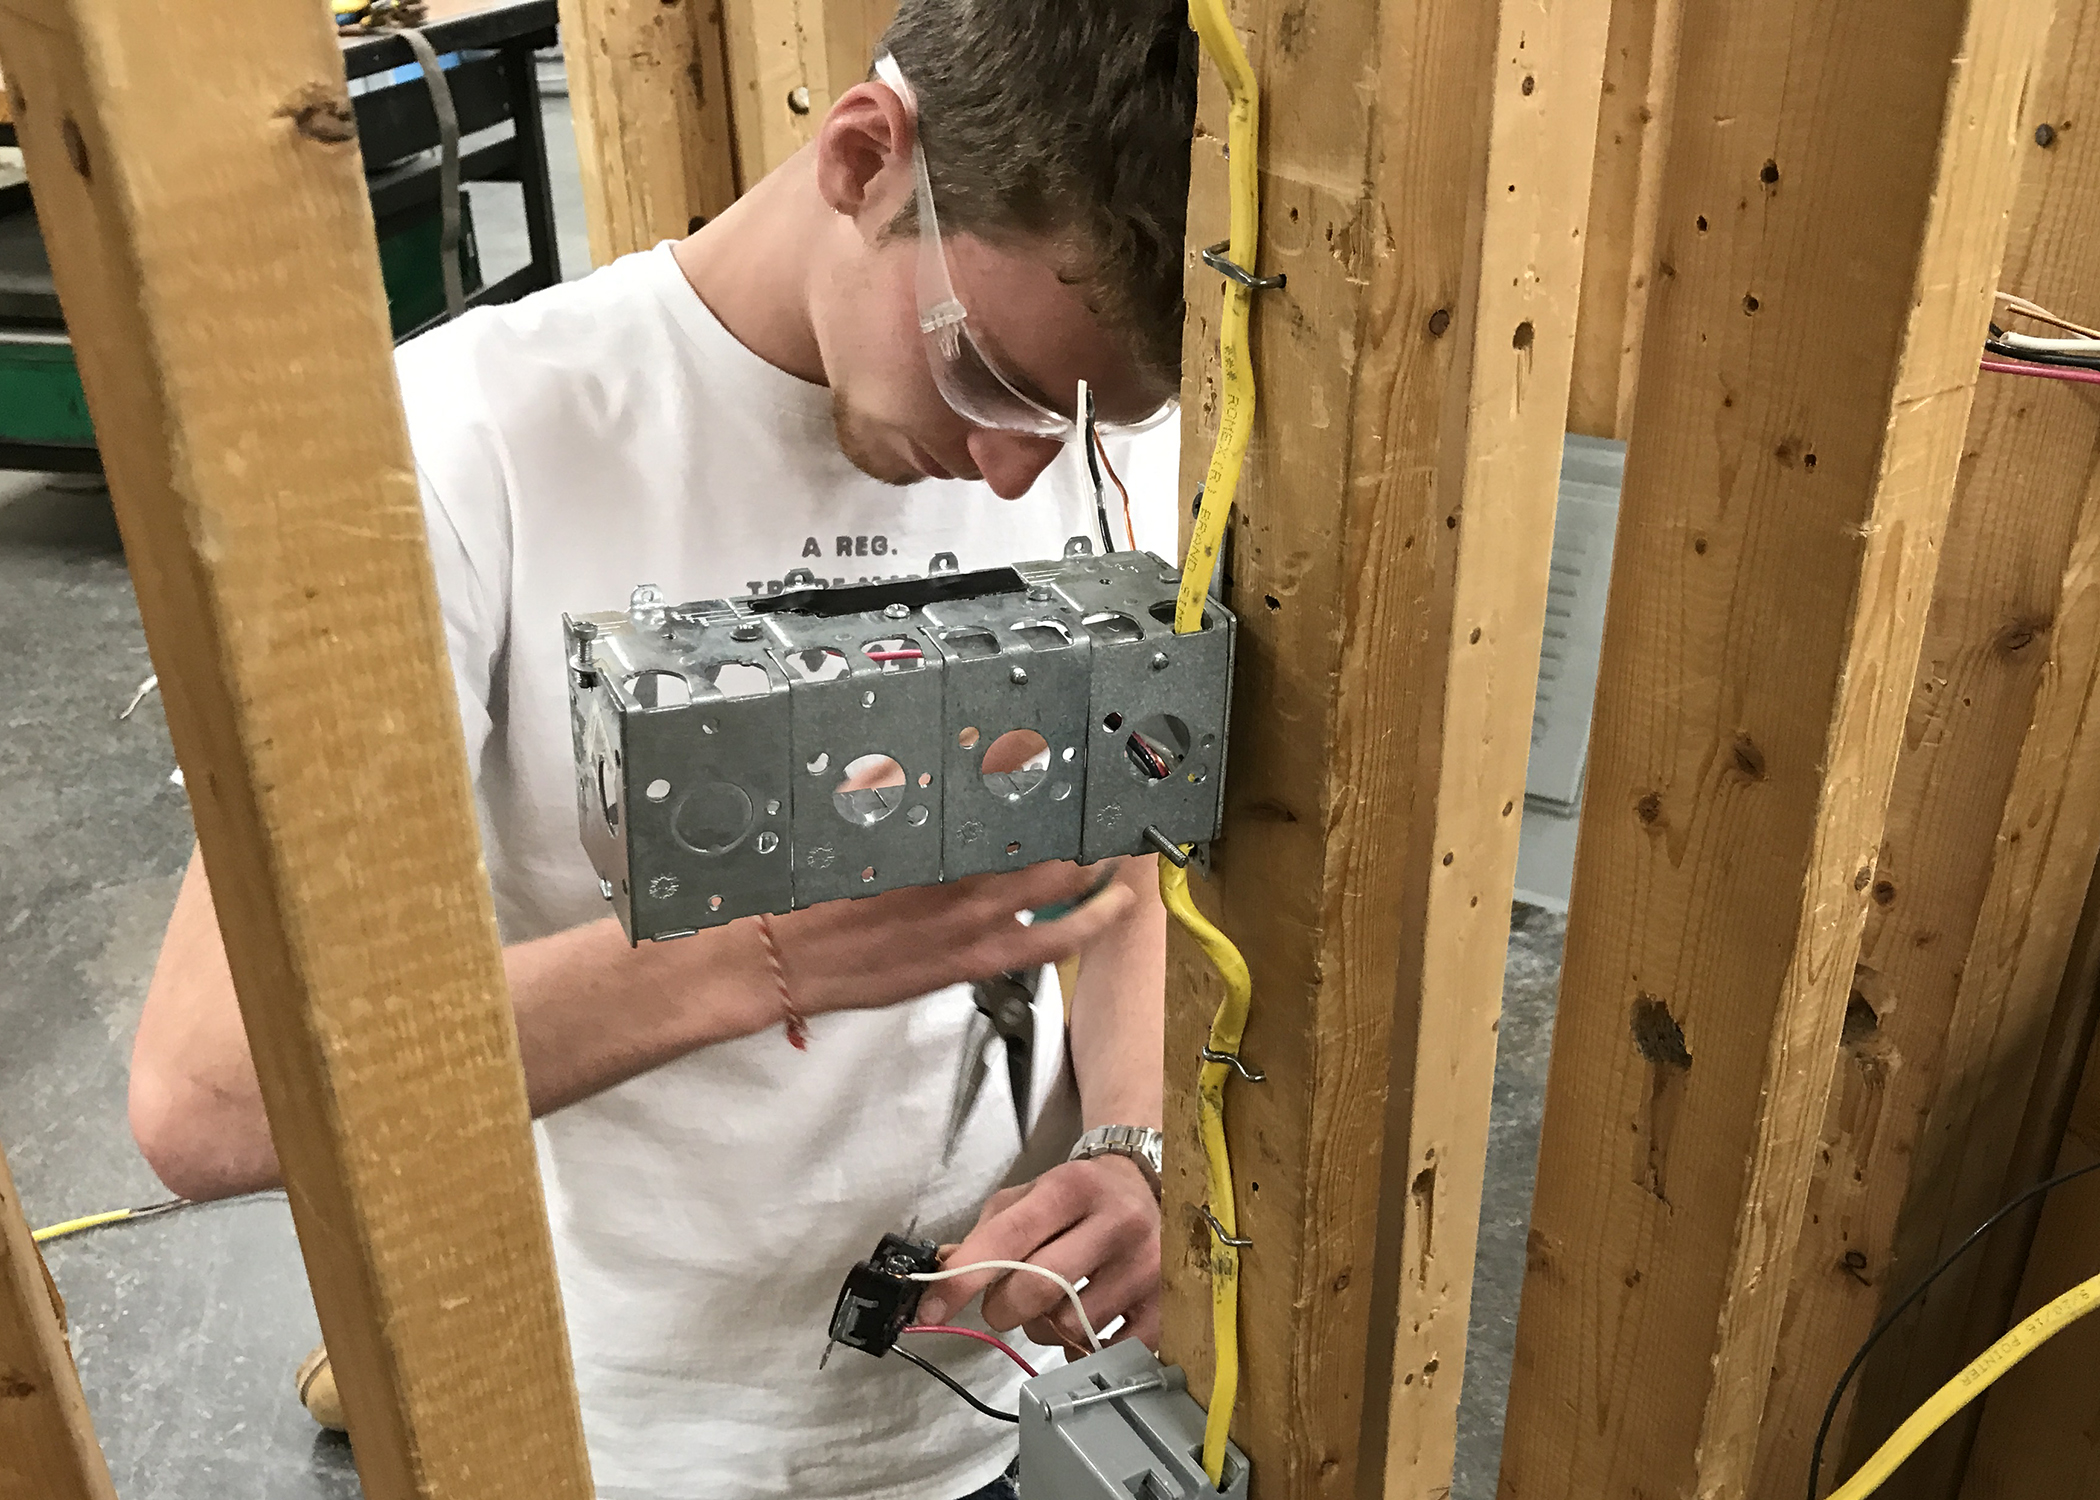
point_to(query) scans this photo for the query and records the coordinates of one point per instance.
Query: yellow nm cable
(1972, 1382)
(75, 1226)
(1235, 423)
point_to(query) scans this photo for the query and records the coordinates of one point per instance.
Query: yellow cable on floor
(1972, 1382)
(1235, 424)
(76, 1226)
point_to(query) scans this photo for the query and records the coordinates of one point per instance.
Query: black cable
(954, 1385)
(1888, 1321)
(2042, 356)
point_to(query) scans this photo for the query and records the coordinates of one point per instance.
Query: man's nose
(1011, 461)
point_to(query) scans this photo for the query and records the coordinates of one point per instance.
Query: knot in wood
(321, 114)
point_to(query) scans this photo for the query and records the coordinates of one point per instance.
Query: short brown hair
(1065, 118)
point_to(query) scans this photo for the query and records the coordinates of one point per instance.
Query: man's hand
(857, 955)
(1093, 1219)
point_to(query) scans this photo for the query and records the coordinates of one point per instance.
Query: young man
(713, 416)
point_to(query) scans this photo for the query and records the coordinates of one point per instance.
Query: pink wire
(2042, 372)
(895, 655)
(983, 1338)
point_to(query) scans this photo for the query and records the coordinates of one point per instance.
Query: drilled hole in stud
(968, 738)
(657, 790)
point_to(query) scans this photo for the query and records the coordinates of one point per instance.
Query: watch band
(1141, 1143)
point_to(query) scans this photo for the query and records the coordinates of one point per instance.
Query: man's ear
(863, 156)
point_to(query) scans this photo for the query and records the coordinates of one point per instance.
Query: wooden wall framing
(1388, 565)
(1991, 831)
(47, 1442)
(681, 105)
(215, 256)
(1797, 430)
(1781, 311)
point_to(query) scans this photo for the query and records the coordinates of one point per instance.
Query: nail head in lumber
(198, 183)
(1804, 390)
(1390, 572)
(649, 100)
(47, 1441)
(1991, 831)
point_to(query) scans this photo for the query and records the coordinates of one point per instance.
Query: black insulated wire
(1888, 1321)
(956, 1386)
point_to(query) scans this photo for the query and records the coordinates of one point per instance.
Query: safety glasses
(969, 379)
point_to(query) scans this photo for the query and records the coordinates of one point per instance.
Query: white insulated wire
(1071, 1292)
(2050, 346)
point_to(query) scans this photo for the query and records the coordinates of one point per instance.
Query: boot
(317, 1392)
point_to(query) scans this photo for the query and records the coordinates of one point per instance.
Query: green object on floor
(41, 400)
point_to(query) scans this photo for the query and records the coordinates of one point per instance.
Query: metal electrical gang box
(761, 754)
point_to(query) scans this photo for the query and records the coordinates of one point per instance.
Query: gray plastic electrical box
(1118, 1425)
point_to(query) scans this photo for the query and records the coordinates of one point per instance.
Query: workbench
(487, 53)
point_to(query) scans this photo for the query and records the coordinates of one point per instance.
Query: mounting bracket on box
(767, 753)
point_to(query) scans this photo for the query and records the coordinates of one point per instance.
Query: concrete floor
(188, 1328)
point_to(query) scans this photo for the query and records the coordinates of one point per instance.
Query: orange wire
(1129, 526)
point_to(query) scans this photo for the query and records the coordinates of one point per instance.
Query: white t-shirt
(611, 432)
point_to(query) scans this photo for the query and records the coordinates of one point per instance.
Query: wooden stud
(1991, 831)
(851, 30)
(788, 60)
(1640, 74)
(47, 1441)
(777, 71)
(649, 98)
(1832, 221)
(1424, 179)
(200, 191)
(681, 105)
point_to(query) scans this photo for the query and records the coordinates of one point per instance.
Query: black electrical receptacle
(878, 1301)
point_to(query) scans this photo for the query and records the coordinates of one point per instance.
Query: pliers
(1005, 1011)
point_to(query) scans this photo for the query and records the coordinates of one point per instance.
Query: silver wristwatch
(1141, 1143)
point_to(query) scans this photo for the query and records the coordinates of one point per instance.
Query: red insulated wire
(894, 655)
(2042, 372)
(983, 1338)
(1129, 526)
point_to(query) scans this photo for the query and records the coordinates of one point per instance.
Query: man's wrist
(1138, 1144)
